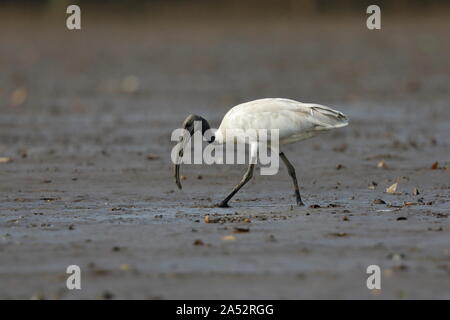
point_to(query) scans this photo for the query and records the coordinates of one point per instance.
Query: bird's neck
(219, 136)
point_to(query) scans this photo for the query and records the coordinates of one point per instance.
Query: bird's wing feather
(294, 120)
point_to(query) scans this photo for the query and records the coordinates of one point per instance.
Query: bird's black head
(194, 123)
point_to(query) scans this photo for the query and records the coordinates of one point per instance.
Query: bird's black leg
(247, 176)
(291, 171)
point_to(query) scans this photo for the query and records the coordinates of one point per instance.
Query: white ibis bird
(295, 121)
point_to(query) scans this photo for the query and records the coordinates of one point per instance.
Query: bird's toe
(300, 203)
(222, 205)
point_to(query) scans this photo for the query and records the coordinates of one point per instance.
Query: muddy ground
(85, 175)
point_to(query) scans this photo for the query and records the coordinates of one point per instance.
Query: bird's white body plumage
(295, 120)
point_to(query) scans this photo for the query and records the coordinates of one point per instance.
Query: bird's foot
(222, 205)
(298, 198)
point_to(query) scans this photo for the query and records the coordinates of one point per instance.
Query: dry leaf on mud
(199, 242)
(152, 156)
(208, 219)
(229, 238)
(372, 185)
(392, 188)
(341, 148)
(49, 199)
(5, 159)
(382, 164)
(241, 229)
(435, 166)
(339, 234)
(130, 84)
(18, 96)
(124, 267)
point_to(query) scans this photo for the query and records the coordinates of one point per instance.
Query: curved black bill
(177, 169)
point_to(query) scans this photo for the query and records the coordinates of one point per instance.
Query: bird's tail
(326, 118)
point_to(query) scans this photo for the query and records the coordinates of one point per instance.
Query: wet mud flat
(85, 175)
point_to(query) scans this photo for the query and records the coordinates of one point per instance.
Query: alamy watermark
(233, 146)
(74, 280)
(373, 22)
(374, 280)
(73, 21)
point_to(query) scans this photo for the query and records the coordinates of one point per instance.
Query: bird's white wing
(294, 120)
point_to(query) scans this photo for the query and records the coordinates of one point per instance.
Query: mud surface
(86, 176)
